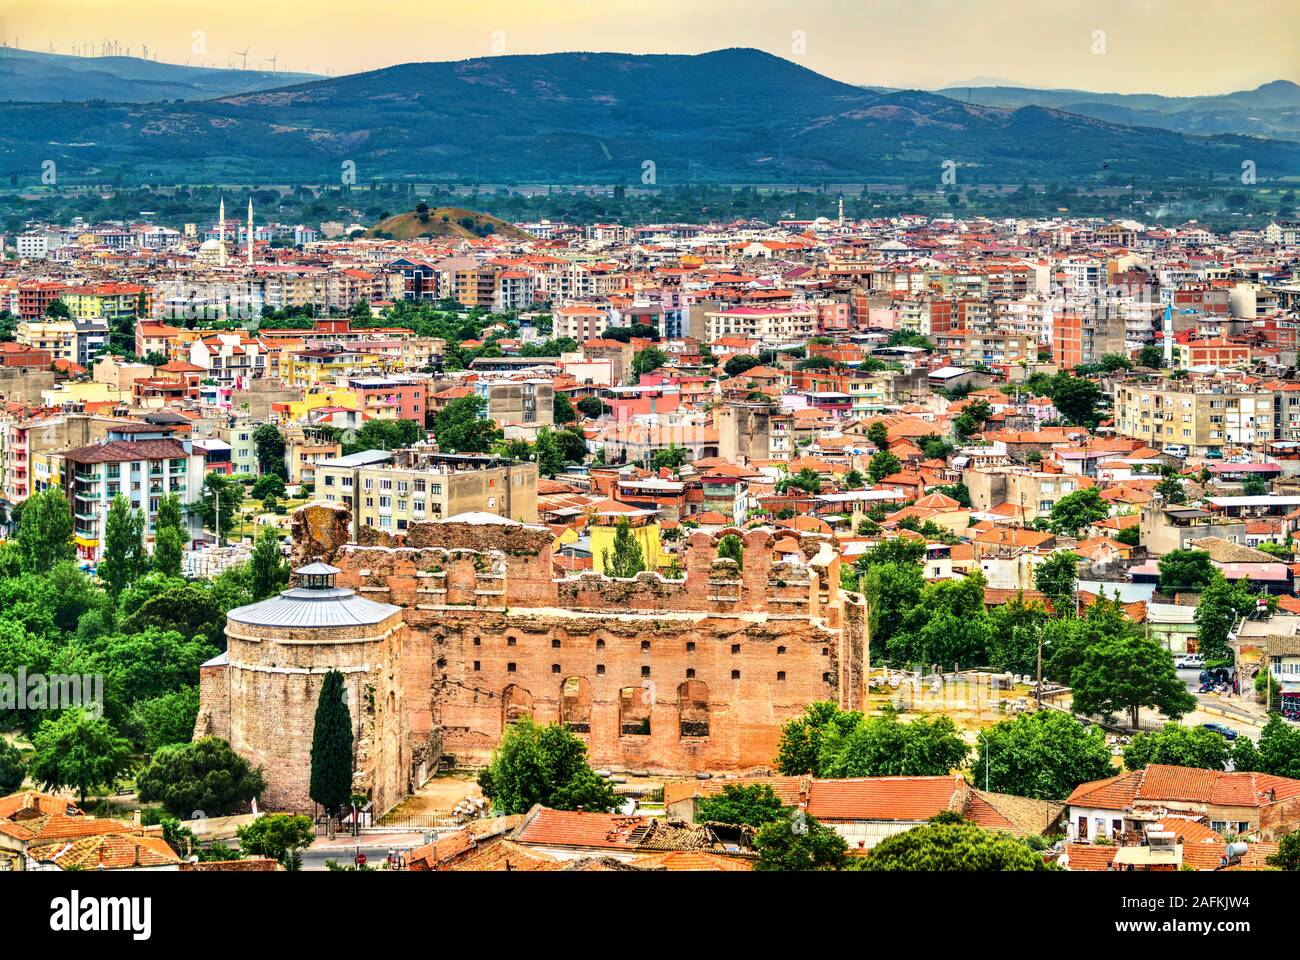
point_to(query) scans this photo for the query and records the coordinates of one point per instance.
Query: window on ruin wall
(693, 709)
(516, 702)
(575, 705)
(634, 711)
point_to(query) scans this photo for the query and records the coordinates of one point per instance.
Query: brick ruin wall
(665, 676)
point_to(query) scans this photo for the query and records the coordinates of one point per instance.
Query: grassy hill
(444, 222)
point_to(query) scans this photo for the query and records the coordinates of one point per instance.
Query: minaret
(841, 210)
(250, 231)
(221, 232)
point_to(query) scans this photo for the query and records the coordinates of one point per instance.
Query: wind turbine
(272, 60)
(243, 54)
(144, 51)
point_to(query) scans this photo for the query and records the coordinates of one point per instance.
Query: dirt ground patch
(439, 796)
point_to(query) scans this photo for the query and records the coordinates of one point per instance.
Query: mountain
(1270, 110)
(444, 222)
(27, 75)
(731, 116)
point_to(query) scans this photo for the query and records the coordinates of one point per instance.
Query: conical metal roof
(304, 607)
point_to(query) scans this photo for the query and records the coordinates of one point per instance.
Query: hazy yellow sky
(1177, 47)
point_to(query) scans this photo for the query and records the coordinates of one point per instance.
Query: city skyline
(1188, 48)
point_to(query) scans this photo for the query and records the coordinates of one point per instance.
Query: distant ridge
(34, 77)
(736, 115)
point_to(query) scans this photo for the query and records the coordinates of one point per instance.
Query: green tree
(562, 409)
(949, 844)
(267, 567)
(77, 751)
(45, 531)
(395, 434)
(203, 775)
(12, 769)
(191, 608)
(891, 590)
(798, 843)
(1255, 487)
(1077, 510)
(1288, 853)
(807, 480)
(592, 407)
(1170, 489)
(164, 720)
(278, 836)
(738, 364)
(220, 502)
(627, 559)
(543, 764)
(462, 426)
(1130, 536)
(731, 547)
(744, 804)
(883, 464)
(1185, 571)
(884, 746)
(1279, 749)
(331, 747)
(671, 459)
(268, 442)
(170, 536)
(1043, 755)
(1151, 356)
(1076, 398)
(878, 434)
(648, 360)
(1126, 672)
(1015, 629)
(268, 485)
(550, 460)
(1178, 746)
(124, 557)
(801, 740)
(1219, 607)
(1056, 577)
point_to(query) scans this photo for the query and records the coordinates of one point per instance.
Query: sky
(1172, 47)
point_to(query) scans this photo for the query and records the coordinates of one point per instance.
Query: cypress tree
(331, 747)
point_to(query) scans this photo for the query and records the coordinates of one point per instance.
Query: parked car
(1189, 661)
(1226, 732)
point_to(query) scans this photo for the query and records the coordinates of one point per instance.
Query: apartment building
(1027, 494)
(390, 490)
(142, 470)
(520, 407)
(580, 321)
(1204, 418)
(767, 324)
(75, 341)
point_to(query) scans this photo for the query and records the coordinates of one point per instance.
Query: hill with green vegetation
(427, 221)
(730, 116)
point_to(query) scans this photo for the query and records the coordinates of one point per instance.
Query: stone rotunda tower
(261, 694)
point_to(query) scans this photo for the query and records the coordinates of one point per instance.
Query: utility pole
(217, 492)
(1038, 689)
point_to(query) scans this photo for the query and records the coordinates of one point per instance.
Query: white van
(1176, 450)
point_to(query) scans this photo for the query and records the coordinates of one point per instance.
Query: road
(1229, 717)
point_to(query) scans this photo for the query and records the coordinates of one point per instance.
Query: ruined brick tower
(261, 694)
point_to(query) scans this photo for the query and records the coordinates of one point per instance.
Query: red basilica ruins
(464, 625)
